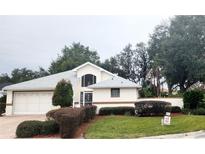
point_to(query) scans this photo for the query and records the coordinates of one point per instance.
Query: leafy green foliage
(32, 128)
(23, 74)
(192, 99)
(178, 48)
(72, 57)
(2, 105)
(176, 109)
(117, 111)
(148, 90)
(132, 64)
(198, 111)
(152, 108)
(63, 94)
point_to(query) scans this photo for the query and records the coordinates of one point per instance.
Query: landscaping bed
(134, 127)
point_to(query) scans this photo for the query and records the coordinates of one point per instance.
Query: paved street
(191, 135)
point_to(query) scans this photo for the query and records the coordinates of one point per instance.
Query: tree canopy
(179, 49)
(73, 56)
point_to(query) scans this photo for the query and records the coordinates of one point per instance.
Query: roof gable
(93, 65)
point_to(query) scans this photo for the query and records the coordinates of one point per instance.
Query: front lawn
(134, 127)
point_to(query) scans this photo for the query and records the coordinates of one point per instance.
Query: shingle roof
(115, 82)
(44, 83)
(2, 85)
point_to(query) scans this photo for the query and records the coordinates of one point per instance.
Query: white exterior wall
(9, 103)
(88, 69)
(126, 95)
(173, 101)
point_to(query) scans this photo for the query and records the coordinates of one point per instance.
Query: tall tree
(179, 50)
(22, 74)
(112, 65)
(143, 61)
(73, 56)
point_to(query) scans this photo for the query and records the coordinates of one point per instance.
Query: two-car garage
(32, 102)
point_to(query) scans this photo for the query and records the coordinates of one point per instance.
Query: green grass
(134, 127)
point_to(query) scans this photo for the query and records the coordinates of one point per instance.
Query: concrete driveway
(8, 124)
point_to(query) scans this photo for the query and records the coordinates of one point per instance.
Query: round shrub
(192, 99)
(32, 128)
(28, 129)
(152, 108)
(49, 127)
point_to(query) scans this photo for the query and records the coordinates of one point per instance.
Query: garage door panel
(32, 102)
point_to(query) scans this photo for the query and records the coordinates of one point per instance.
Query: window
(81, 97)
(115, 92)
(87, 80)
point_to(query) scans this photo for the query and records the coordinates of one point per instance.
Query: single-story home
(91, 85)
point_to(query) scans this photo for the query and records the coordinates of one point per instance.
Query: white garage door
(32, 102)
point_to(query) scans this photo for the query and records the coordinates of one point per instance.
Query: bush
(176, 109)
(28, 129)
(117, 111)
(49, 127)
(32, 128)
(2, 105)
(198, 111)
(69, 118)
(152, 108)
(63, 94)
(90, 112)
(192, 99)
(186, 111)
(68, 124)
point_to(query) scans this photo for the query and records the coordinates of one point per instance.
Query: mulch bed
(79, 134)
(176, 114)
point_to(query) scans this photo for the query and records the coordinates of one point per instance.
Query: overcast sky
(33, 41)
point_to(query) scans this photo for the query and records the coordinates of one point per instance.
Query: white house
(91, 85)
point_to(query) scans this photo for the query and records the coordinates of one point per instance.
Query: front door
(86, 97)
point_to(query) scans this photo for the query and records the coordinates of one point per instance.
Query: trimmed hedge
(176, 109)
(152, 108)
(90, 112)
(32, 128)
(198, 111)
(192, 99)
(117, 111)
(70, 119)
(49, 127)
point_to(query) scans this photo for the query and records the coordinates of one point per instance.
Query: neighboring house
(91, 85)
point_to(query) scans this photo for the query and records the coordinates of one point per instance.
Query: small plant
(63, 94)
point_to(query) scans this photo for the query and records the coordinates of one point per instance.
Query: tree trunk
(158, 82)
(169, 88)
